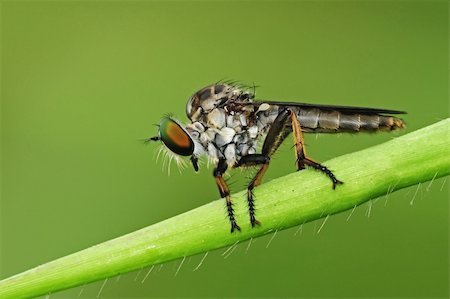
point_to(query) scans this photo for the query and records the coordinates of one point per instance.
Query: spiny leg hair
(225, 192)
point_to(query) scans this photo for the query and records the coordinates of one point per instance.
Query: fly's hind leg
(225, 192)
(278, 131)
(323, 169)
(300, 152)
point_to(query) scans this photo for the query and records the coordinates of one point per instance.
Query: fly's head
(177, 142)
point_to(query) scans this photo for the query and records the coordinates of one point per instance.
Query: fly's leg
(300, 152)
(278, 131)
(323, 169)
(225, 192)
(252, 160)
(299, 144)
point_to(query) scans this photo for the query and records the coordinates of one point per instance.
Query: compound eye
(175, 137)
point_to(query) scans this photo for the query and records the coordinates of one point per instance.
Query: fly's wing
(334, 119)
(341, 109)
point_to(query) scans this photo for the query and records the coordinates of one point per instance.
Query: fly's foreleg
(300, 152)
(277, 132)
(225, 192)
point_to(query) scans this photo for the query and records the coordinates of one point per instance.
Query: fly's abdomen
(320, 121)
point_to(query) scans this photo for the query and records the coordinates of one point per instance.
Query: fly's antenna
(150, 139)
(155, 138)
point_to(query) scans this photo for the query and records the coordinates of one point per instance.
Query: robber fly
(227, 123)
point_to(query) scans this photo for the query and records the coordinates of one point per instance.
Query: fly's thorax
(230, 136)
(216, 118)
(224, 126)
(207, 99)
(265, 118)
(230, 142)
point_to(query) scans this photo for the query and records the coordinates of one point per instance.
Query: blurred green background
(83, 82)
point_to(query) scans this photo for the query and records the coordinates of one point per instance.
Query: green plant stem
(282, 203)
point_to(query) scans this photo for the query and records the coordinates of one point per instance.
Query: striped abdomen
(331, 121)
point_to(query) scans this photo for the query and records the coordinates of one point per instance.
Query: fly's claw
(234, 226)
(254, 222)
(336, 182)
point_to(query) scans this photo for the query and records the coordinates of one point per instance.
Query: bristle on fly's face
(167, 157)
